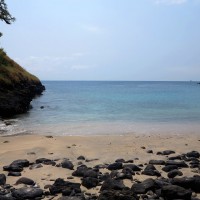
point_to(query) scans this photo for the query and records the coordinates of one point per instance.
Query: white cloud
(170, 2)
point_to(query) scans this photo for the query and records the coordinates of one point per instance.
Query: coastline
(96, 149)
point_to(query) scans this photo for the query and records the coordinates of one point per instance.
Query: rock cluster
(109, 180)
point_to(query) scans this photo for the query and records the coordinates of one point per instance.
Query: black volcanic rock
(150, 170)
(133, 167)
(67, 164)
(174, 173)
(16, 99)
(177, 163)
(117, 195)
(60, 186)
(193, 154)
(90, 182)
(157, 162)
(16, 166)
(27, 193)
(143, 187)
(2, 179)
(188, 183)
(14, 174)
(112, 184)
(80, 171)
(175, 192)
(115, 166)
(169, 168)
(24, 180)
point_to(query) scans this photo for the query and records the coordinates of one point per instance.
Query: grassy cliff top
(11, 73)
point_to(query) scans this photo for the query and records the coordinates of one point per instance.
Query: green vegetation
(4, 14)
(11, 73)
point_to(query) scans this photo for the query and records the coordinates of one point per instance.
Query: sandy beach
(96, 150)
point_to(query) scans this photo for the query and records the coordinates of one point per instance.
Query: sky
(152, 40)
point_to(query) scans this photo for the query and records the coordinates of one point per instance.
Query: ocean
(110, 107)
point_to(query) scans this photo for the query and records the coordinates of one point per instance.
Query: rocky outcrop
(17, 87)
(16, 99)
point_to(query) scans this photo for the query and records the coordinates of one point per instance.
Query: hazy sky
(105, 39)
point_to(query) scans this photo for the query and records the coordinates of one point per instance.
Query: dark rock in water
(177, 163)
(135, 168)
(115, 166)
(81, 158)
(175, 192)
(174, 173)
(27, 193)
(90, 182)
(60, 185)
(169, 168)
(150, 170)
(143, 187)
(117, 195)
(80, 171)
(193, 154)
(157, 162)
(24, 180)
(2, 179)
(67, 164)
(110, 184)
(41, 107)
(14, 174)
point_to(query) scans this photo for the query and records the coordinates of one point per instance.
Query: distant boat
(198, 83)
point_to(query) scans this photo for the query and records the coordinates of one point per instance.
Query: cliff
(17, 87)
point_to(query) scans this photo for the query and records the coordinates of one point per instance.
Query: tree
(4, 14)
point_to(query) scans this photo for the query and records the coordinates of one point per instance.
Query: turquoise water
(98, 107)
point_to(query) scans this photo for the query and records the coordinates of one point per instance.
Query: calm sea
(111, 107)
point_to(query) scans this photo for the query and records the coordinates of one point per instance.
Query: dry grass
(11, 73)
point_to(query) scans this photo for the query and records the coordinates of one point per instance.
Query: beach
(96, 150)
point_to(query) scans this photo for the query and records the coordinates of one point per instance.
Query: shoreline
(97, 150)
(19, 127)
